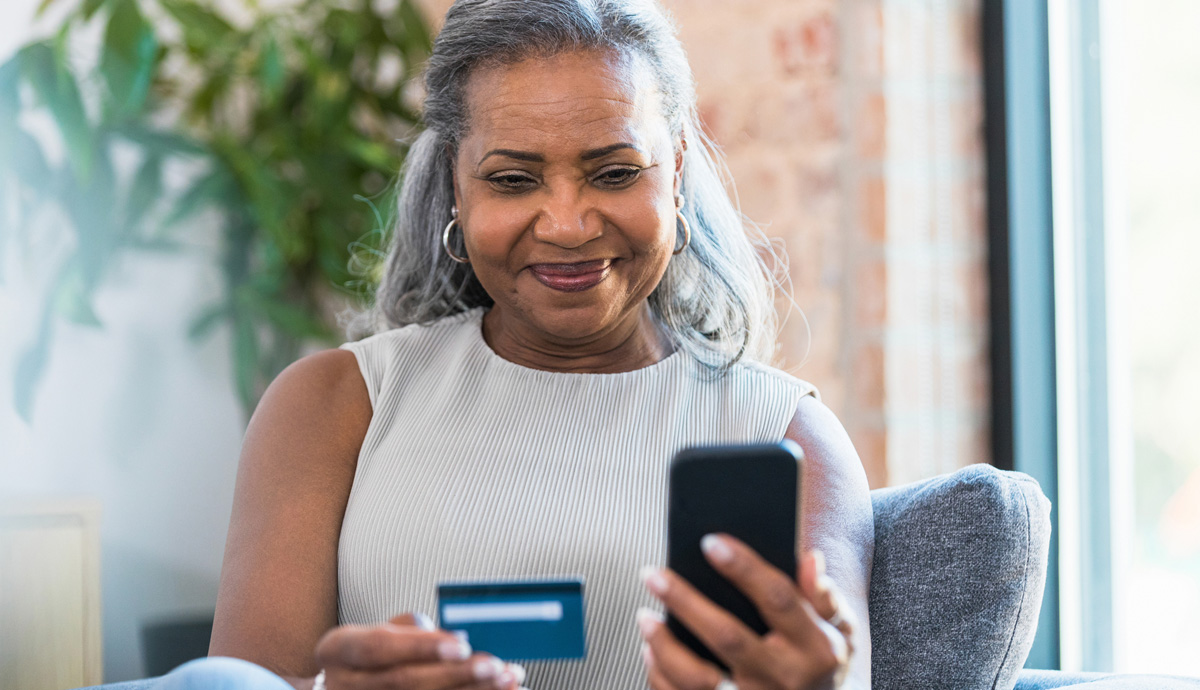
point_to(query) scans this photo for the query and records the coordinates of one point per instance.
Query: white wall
(132, 415)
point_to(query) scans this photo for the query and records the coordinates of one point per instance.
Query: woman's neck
(633, 343)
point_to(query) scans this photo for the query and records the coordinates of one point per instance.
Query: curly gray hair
(715, 299)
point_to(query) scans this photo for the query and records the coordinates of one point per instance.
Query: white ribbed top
(477, 468)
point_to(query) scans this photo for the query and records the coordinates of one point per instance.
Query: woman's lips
(574, 277)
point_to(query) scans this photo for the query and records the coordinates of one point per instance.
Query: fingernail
(454, 650)
(824, 583)
(424, 622)
(647, 655)
(654, 580)
(715, 548)
(505, 679)
(518, 671)
(489, 667)
(819, 561)
(647, 621)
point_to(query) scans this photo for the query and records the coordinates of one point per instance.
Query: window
(1092, 146)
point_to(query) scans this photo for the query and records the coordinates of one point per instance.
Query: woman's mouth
(574, 277)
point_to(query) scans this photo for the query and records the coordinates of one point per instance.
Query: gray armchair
(960, 565)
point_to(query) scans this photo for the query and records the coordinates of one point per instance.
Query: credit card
(525, 620)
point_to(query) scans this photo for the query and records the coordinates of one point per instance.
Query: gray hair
(716, 299)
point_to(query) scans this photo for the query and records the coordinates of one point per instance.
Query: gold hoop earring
(446, 238)
(687, 229)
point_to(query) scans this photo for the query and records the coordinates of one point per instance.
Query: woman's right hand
(405, 655)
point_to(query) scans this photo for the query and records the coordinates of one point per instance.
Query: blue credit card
(522, 620)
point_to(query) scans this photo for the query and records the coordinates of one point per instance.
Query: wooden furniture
(49, 594)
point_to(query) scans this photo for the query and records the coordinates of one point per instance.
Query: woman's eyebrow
(604, 151)
(531, 157)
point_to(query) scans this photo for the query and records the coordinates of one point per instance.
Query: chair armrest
(956, 586)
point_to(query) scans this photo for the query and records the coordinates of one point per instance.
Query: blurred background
(192, 191)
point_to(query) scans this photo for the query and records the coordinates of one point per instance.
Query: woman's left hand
(809, 643)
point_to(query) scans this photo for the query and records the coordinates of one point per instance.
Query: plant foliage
(292, 116)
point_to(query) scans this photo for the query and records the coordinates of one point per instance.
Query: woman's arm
(278, 592)
(837, 519)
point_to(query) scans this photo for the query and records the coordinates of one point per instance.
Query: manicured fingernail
(489, 667)
(716, 548)
(819, 561)
(654, 580)
(518, 671)
(454, 650)
(423, 622)
(824, 584)
(647, 621)
(647, 655)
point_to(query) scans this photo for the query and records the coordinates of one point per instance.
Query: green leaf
(370, 153)
(73, 296)
(211, 190)
(200, 110)
(208, 319)
(23, 156)
(157, 244)
(42, 7)
(89, 7)
(272, 73)
(56, 90)
(92, 206)
(202, 28)
(144, 193)
(293, 319)
(128, 61)
(158, 143)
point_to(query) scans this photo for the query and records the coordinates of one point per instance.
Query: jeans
(221, 673)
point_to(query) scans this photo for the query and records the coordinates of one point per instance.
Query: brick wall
(853, 132)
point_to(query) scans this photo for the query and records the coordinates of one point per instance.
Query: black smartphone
(748, 491)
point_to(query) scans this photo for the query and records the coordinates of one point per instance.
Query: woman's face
(565, 184)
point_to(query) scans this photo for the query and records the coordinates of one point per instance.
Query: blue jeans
(221, 673)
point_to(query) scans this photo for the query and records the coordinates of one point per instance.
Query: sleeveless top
(477, 468)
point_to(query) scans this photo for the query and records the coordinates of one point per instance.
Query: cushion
(960, 563)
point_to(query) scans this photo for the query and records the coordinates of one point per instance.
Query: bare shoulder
(836, 497)
(814, 426)
(328, 381)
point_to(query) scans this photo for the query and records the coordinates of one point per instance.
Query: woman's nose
(568, 221)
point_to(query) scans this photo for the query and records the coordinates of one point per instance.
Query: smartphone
(748, 491)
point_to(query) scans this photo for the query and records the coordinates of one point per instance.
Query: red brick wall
(853, 132)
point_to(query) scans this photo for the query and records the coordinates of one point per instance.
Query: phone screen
(751, 492)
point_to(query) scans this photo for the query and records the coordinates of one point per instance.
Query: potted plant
(292, 122)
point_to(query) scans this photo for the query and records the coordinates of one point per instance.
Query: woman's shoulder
(765, 374)
(396, 354)
(407, 334)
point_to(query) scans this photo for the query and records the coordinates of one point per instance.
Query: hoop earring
(687, 229)
(446, 238)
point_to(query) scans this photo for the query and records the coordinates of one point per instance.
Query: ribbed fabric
(477, 468)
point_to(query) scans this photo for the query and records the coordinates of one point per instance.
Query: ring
(726, 684)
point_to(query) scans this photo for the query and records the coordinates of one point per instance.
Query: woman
(570, 297)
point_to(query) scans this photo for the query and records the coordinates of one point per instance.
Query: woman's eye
(618, 177)
(512, 181)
